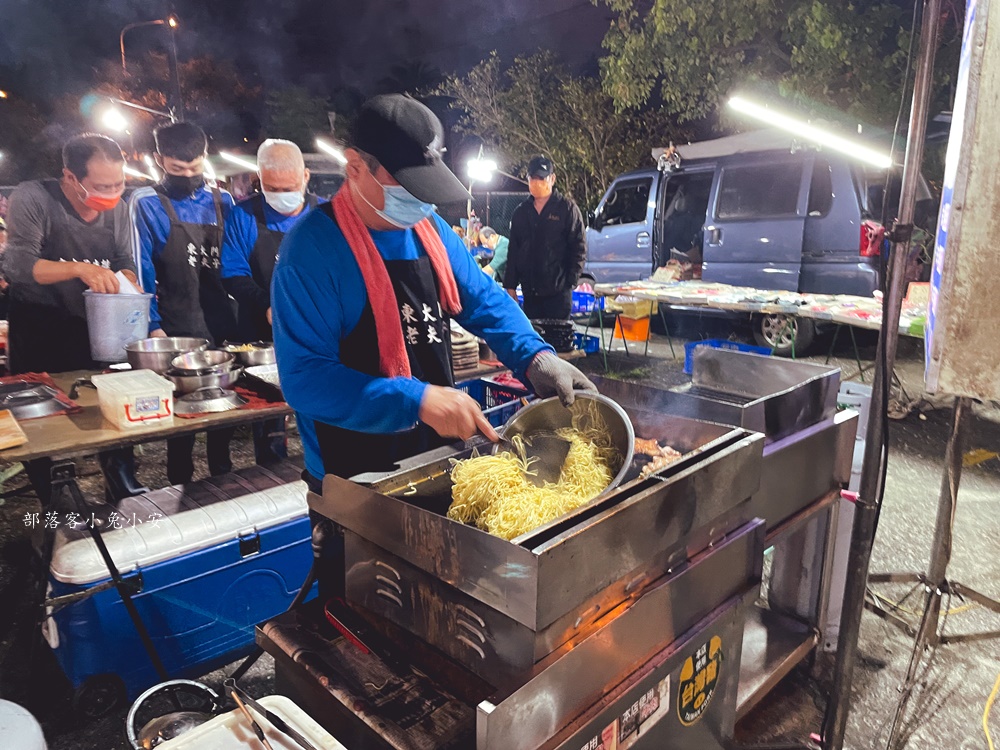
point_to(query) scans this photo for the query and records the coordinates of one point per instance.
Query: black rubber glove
(552, 376)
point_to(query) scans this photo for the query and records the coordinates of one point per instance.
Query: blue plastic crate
(499, 402)
(720, 344)
(588, 344)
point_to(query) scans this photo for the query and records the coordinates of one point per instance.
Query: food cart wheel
(98, 696)
(785, 334)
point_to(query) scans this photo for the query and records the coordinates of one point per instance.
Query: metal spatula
(548, 449)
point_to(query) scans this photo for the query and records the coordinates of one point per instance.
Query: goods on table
(134, 398)
(493, 493)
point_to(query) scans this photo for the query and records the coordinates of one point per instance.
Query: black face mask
(178, 187)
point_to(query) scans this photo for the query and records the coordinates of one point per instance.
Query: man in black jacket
(548, 246)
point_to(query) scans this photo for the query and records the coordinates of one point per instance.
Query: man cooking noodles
(177, 239)
(363, 293)
(66, 236)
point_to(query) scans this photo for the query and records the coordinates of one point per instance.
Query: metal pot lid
(207, 400)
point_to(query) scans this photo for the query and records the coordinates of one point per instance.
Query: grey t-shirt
(42, 225)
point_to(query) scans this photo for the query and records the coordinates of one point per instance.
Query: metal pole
(866, 510)
(175, 74)
(121, 43)
(944, 526)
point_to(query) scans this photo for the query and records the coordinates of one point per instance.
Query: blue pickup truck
(757, 210)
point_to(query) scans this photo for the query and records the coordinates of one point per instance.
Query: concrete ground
(947, 708)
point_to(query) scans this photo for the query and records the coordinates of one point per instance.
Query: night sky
(54, 45)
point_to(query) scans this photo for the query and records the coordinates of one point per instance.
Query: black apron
(189, 291)
(427, 334)
(53, 336)
(263, 258)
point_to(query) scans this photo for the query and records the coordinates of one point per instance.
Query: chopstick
(253, 723)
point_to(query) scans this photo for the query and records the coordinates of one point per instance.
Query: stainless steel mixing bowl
(549, 415)
(156, 353)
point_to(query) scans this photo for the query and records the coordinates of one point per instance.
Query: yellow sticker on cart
(698, 680)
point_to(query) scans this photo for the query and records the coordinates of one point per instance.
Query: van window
(820, 189)
(759, 191)
(627, 203)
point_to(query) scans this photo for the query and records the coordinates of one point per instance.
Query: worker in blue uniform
(363, 292)
(177, 242)
(253, 232)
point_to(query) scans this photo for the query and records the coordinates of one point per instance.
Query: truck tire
(785, 334)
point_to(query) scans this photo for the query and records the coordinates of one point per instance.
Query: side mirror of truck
(595, 221)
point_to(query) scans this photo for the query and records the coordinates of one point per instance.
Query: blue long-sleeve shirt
(151, 227)
(241, 234)
(317, 297)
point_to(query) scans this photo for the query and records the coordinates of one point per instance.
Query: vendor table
(67, 437)
(840, 310)
(85, 433)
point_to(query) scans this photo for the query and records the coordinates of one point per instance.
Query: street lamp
(482, 170)
(3, 94)
(137, 174)
(239, 161)
(132, 105)
(802, 129)
(208, 170)
(331, 150)
(113, 119)
(172, 23)
(152, 167)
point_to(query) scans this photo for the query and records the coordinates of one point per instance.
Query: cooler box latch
(250, 545)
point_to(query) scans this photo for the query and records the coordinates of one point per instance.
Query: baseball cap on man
(541, 167)
(408, 140)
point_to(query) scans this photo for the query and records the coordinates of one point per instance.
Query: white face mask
(284, 203)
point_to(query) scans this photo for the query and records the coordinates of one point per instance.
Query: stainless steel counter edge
(576, 676)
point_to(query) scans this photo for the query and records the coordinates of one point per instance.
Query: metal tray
(773, 396)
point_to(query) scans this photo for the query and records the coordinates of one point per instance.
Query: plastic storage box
(589, 344)
(499, 402)
(134, 398)
(208, 561)
(720, 344)
(231, 731)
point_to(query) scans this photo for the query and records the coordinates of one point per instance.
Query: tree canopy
(535, 106)
(688, 56)
(295, 114)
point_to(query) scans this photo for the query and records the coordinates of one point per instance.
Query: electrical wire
(986, 713)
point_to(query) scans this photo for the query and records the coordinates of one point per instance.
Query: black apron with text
(263, 258)
(189, 291)
(427, 334)
(54, 337)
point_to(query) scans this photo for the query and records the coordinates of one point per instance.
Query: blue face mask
(401, 209)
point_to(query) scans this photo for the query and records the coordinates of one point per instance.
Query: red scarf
(393, 361)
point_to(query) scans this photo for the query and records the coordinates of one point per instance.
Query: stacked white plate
(464, 353)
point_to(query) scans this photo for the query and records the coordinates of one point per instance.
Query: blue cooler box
(208, 560)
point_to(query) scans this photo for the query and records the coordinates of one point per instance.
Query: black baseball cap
(541, 167)
(408, 140)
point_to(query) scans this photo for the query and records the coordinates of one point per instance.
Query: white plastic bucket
(19, 728)
(114, 321)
